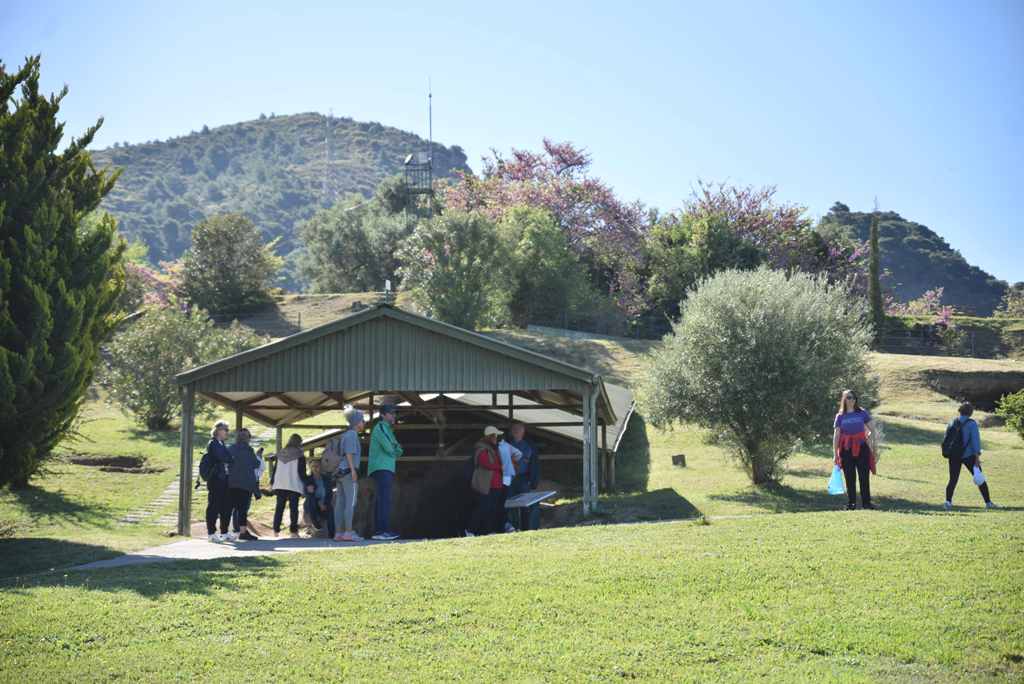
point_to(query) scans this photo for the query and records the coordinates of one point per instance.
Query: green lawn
(70, 512)
(910, 593)
(812, 597)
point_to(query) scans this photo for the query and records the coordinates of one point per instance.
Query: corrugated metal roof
(381, 349)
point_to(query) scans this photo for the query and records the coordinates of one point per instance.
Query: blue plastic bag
(836, 486)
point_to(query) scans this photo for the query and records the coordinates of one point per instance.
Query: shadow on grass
(44, 506)
(154, 580)
(779, 498)
(27, 555)
(660, 504)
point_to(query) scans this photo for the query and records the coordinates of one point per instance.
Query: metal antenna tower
(327, 195)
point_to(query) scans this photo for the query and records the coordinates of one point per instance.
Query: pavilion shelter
(447, 380)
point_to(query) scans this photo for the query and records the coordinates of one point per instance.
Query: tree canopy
(60, 276)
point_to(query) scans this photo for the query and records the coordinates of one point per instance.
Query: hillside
(916, 259)
(271, 169)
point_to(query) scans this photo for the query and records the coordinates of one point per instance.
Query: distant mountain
(916, 259)
(271, 169)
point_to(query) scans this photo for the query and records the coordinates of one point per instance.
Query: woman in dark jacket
(214, 469)
(244, 481)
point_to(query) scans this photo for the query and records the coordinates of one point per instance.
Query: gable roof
(381, 349)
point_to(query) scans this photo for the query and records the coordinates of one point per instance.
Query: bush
(228, 268)
(761, 358)
(1011, 408)
(144, 358)
(454, 270)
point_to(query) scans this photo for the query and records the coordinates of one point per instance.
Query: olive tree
(760, 358)
(144, 357)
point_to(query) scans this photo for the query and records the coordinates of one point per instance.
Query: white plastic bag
(979, 477)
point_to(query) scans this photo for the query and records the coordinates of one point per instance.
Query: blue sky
(917, 103)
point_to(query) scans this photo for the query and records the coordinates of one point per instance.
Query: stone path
(201, 549)
(151, 512)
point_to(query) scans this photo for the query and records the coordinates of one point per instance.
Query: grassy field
(722, 589)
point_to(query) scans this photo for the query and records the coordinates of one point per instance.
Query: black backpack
(953, 442)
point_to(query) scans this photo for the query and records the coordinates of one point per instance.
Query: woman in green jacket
(384, 450)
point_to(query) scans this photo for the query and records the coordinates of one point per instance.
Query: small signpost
(527, 499)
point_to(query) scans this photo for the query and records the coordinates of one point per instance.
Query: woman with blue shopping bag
(853, 442)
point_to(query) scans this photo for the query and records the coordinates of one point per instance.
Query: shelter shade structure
(449, 377)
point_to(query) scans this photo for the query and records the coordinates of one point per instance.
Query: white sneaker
(356, 537)
(231, 537)
(948, 505)
(467, 533)
(991, 504)
(509, 527)
(383, 536)
(215, 538)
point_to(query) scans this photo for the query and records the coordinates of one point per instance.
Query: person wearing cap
(347, 477)
(384, 451)
(487, 505)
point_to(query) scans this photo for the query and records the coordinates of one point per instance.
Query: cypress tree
(875, 281)
(60, 275)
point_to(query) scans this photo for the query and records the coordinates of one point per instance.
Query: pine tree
(875, 281)
(60, 276)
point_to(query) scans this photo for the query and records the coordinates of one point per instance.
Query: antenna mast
(430, 141)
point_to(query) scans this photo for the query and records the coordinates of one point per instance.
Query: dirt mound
(116, 464)
(981, 388)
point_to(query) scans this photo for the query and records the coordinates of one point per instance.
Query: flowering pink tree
(605, 232)
(783, 232)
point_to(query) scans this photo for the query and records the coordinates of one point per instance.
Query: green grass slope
(780, 585)
(821, 597)
(272, 169)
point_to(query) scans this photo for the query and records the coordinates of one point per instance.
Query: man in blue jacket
(526, 478)
(971, 437)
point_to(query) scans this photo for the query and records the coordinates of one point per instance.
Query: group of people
(330, 483)
(232, 475)
(855, 445)
(514, 468)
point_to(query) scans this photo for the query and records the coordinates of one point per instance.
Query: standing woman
(488, 505)
(384, 451)
(214, 468)
(243, 481)
(853, 442)
(289, 483)
(347, 477)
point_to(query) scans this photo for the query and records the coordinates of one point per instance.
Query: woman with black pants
(484, 514)
(289, 484)
(214, 468)
(853, 442)
(244, 481)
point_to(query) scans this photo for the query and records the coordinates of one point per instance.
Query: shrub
(228, 268)
(1011, 408)
(454, 270)
(761, 358)
(144, 358)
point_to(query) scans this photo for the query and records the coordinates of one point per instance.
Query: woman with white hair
(347, 477)
(214, 468)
